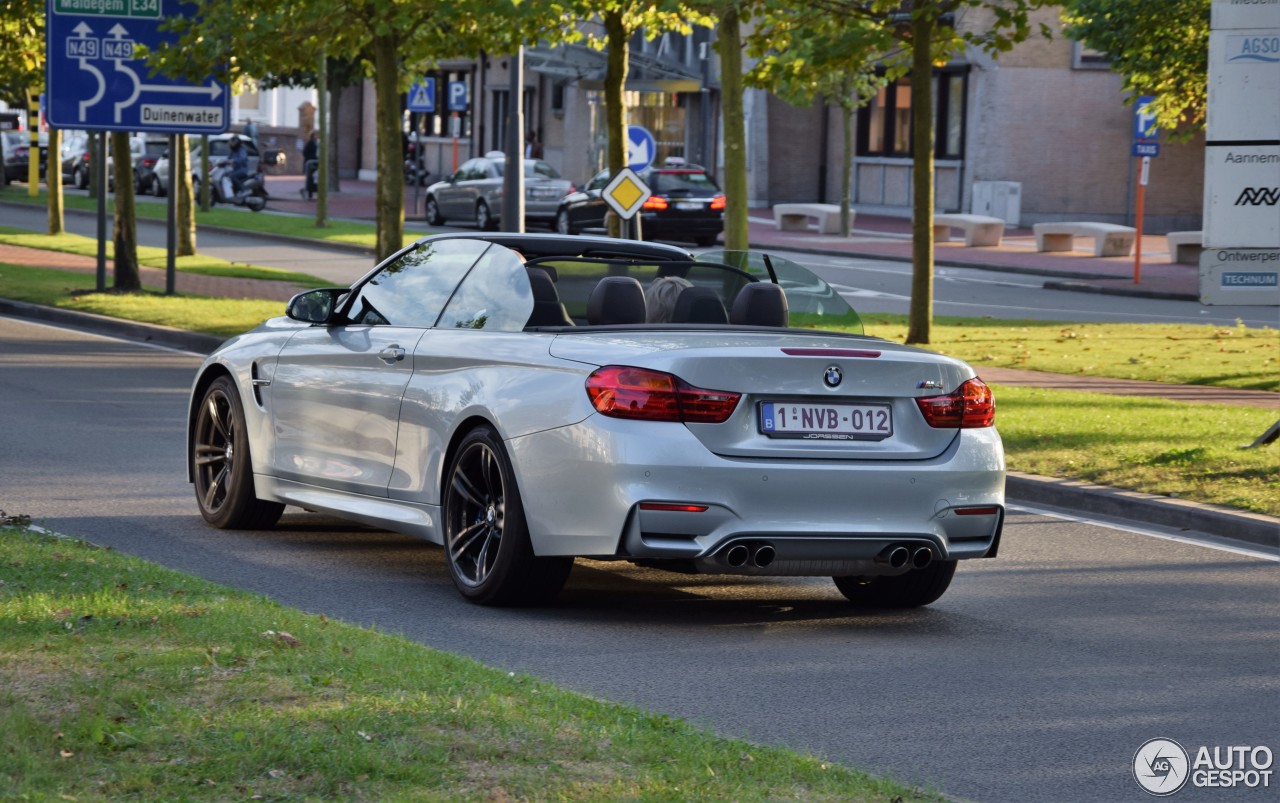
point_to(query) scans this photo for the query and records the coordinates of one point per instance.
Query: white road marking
(1126, 528)
(97, 336)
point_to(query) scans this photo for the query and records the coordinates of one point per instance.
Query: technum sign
(1240, 263)
(97, 80)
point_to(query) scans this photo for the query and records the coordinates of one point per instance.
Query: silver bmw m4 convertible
(523, 400)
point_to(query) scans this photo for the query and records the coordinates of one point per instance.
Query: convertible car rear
(523, 400)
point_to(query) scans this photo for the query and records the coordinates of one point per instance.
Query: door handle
(391, 354)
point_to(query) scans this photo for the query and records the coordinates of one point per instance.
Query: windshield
(533, 168)
(813, 304)
(681, 181)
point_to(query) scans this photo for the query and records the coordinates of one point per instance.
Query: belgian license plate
(827, 422)
(689, 205)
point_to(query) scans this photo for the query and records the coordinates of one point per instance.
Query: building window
(1086, 58)
(884, 124)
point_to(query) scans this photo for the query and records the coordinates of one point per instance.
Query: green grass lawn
(156, 257)
(1192, 451)
(338, 231)
(120, 679)
(1189, 354)
(73, 291)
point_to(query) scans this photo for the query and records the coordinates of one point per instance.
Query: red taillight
(621, 392)
(717, 202)
(21, 153)
(971, 405)
(148, 161)
(85, 156)
(655, 202)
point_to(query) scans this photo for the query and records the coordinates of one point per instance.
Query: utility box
(1002, 199)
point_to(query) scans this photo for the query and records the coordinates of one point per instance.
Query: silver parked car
(474, 193)
(514, 398)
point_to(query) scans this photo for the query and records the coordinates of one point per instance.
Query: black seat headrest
(698, 305)
(760, 304)
(547, 309)
(616, 300)
(544, 288)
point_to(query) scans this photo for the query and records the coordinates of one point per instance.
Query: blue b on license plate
(831, 422)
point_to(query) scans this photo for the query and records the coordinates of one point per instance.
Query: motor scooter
(252, 192)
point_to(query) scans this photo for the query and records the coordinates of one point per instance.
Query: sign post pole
(1144, 170)
(33, 151)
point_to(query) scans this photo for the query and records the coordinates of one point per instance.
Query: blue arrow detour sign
(96, 80)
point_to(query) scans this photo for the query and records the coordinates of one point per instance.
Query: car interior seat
(547, 309)
(698, 305)
(616, 300)
(760, 304)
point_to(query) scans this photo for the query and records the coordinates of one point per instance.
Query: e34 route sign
(96, 80)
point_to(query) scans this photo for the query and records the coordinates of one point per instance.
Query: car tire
(221, 466)
(484, 219)
(911, 590)
(563, 224)
(156, 188)
(486, 537)
(80, 178)
(434, 218)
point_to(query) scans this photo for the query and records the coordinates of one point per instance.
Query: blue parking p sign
(457, 96)
(95, 78)
(1144, 119)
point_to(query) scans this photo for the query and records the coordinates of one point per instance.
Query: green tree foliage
(800, 57)
(22, 49)
(924, 34)
(392, 39)
(621, 20)
(1161, 47)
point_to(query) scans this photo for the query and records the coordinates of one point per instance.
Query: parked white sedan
(515, 399)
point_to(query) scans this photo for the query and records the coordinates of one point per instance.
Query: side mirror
(316, 306)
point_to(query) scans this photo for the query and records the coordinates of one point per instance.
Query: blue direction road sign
(1144, 119)
(422, 95)
(95, 78)
(1146, 149)
(457, 96)
(640, 147)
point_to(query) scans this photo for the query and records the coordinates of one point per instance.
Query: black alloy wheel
(487, 544)
(220, 463)
(434, 218)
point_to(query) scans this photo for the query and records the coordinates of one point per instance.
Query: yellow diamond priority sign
(626, 193)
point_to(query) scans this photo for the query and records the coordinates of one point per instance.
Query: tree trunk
(53, 180)
(920, 321)
(329, 136)
(846, 164)
(126, 221)
(184, 201)
(206, 198)
(390, 192)
(729, 46)
(322, 154)
(615, 114)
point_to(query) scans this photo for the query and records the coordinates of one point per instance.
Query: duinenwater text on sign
(96, 78)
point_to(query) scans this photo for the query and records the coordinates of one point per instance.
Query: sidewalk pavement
(875, 237)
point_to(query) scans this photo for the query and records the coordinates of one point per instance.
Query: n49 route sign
(96, 80)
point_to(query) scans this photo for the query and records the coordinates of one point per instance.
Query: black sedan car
(686, 205)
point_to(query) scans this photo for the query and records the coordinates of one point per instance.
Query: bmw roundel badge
(833, 376)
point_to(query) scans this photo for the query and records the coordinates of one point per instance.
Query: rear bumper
(583, 486)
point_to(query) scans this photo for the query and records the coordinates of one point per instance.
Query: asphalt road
(1036, 677)
(870, 285)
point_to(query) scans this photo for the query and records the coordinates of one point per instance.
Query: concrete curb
(1083, 497)
(1083, 287)
(1251, 528)
(168, 337)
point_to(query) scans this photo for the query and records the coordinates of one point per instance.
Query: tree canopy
(1160, 48)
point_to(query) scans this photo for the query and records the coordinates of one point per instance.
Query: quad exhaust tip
(759, 555)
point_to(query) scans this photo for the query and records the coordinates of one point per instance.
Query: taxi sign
(626, 193)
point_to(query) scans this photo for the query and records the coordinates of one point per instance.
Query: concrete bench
(1109, 239)
(1185, 246)
(978, 229)
(795, 217)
